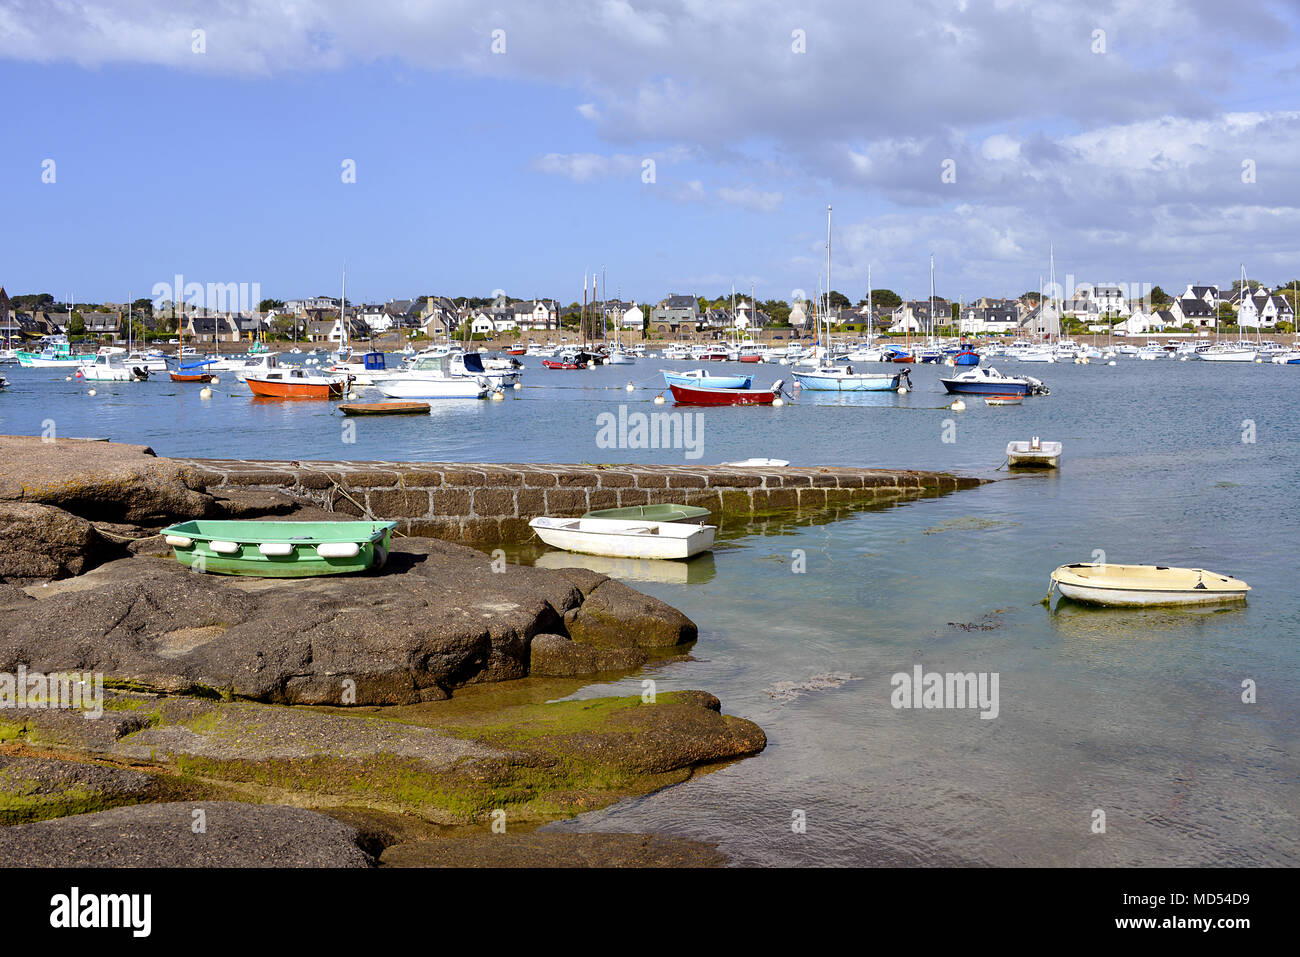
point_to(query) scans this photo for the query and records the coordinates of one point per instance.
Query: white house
(538, 314)
(1276, 309)
(633, 319)
(376, 317)
(482, 324)
(1193, 312)
(1140, 323)
(989, 320)
(1208, 294)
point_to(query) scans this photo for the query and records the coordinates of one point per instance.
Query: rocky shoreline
(403, 717)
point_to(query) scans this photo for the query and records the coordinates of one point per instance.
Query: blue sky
(519, 170)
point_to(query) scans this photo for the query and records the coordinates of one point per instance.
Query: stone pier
(484, 503)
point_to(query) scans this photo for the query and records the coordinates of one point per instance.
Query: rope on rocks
(363, 509)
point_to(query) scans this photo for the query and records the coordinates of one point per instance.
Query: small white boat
(1136, 585)
(1004, 400)
(624, 538)
(1034, 454)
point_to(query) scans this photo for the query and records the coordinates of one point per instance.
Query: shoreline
(400, 718)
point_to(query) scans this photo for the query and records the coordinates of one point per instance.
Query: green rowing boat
(280, 549)
(654, 513)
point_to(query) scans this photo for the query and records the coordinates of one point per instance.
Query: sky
(676, 146)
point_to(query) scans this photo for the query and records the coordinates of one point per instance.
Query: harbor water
(1120, 737)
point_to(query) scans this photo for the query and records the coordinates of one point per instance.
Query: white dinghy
(1136, 585)
(1034, 454)
(624, 538)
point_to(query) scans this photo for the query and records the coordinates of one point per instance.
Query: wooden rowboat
(191, 376)
(1004, 400)
(1138, 585)
(279, 549)
(384, 408)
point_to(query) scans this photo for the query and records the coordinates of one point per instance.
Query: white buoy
(778, 401)
(67, 378)
(958, 406)
(91, 392)
(498, 396)
(1182, 358)
(630, 387)
(205, 393)
(659, 400)
(902, 390)
(215, 380)
(1258, 359)
(517, 386)
(1111, 362)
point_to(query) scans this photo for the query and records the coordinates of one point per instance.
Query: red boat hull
(191, 376)
(295, 390)
(549, 364)
(751, 358)
(687, 395)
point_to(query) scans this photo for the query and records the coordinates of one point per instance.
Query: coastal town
(1091, 309)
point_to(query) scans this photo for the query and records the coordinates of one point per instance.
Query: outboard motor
(776, 386)
(140, 373)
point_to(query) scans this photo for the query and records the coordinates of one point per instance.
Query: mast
(871, 312)
(931, 299)
(583, 321)
(826, 315)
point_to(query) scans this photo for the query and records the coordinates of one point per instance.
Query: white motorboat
(1034, 454)
(625, 538)
(433, 388)
(1139, 585)
(112, 367)
(844, 379)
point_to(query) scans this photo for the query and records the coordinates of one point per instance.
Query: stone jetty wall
(486, 503)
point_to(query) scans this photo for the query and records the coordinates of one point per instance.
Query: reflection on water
(693, 571)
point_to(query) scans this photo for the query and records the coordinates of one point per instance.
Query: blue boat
(841, 379)
(990, 381)
(967, 358)
(703, 379)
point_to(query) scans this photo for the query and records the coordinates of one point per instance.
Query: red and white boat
(289, 382)
(701, 395)
(557, 364)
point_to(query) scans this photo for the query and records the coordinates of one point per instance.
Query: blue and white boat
(701, 378)
(844, 379)
(989, 381)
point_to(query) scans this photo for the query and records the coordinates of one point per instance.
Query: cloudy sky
(683, 145)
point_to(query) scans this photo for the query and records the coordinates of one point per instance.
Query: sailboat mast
(931, 299)
(826, 316)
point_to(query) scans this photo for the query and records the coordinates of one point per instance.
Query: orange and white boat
(289, 382)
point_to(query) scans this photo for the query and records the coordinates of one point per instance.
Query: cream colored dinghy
(1131, 585)
(1034, 454)
(624, 538)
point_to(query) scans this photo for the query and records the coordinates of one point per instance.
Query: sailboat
(828, 377)
(194, 371)
(1241, 351)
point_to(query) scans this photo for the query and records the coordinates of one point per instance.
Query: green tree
(1159, 297)
(78, 325)
(838, 300)
(266, 305)
(883, 297)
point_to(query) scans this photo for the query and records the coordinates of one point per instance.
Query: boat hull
(707, 380)
(297, 387)
(696, 395)
(1003, 388)
(384, 408)
(452, 388)
(280, 549)
(1131, 586)
(850, 382)
(625, 539)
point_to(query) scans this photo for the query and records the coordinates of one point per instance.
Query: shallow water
(1137, 714)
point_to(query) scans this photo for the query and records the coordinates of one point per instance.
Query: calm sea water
(1137, 714)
